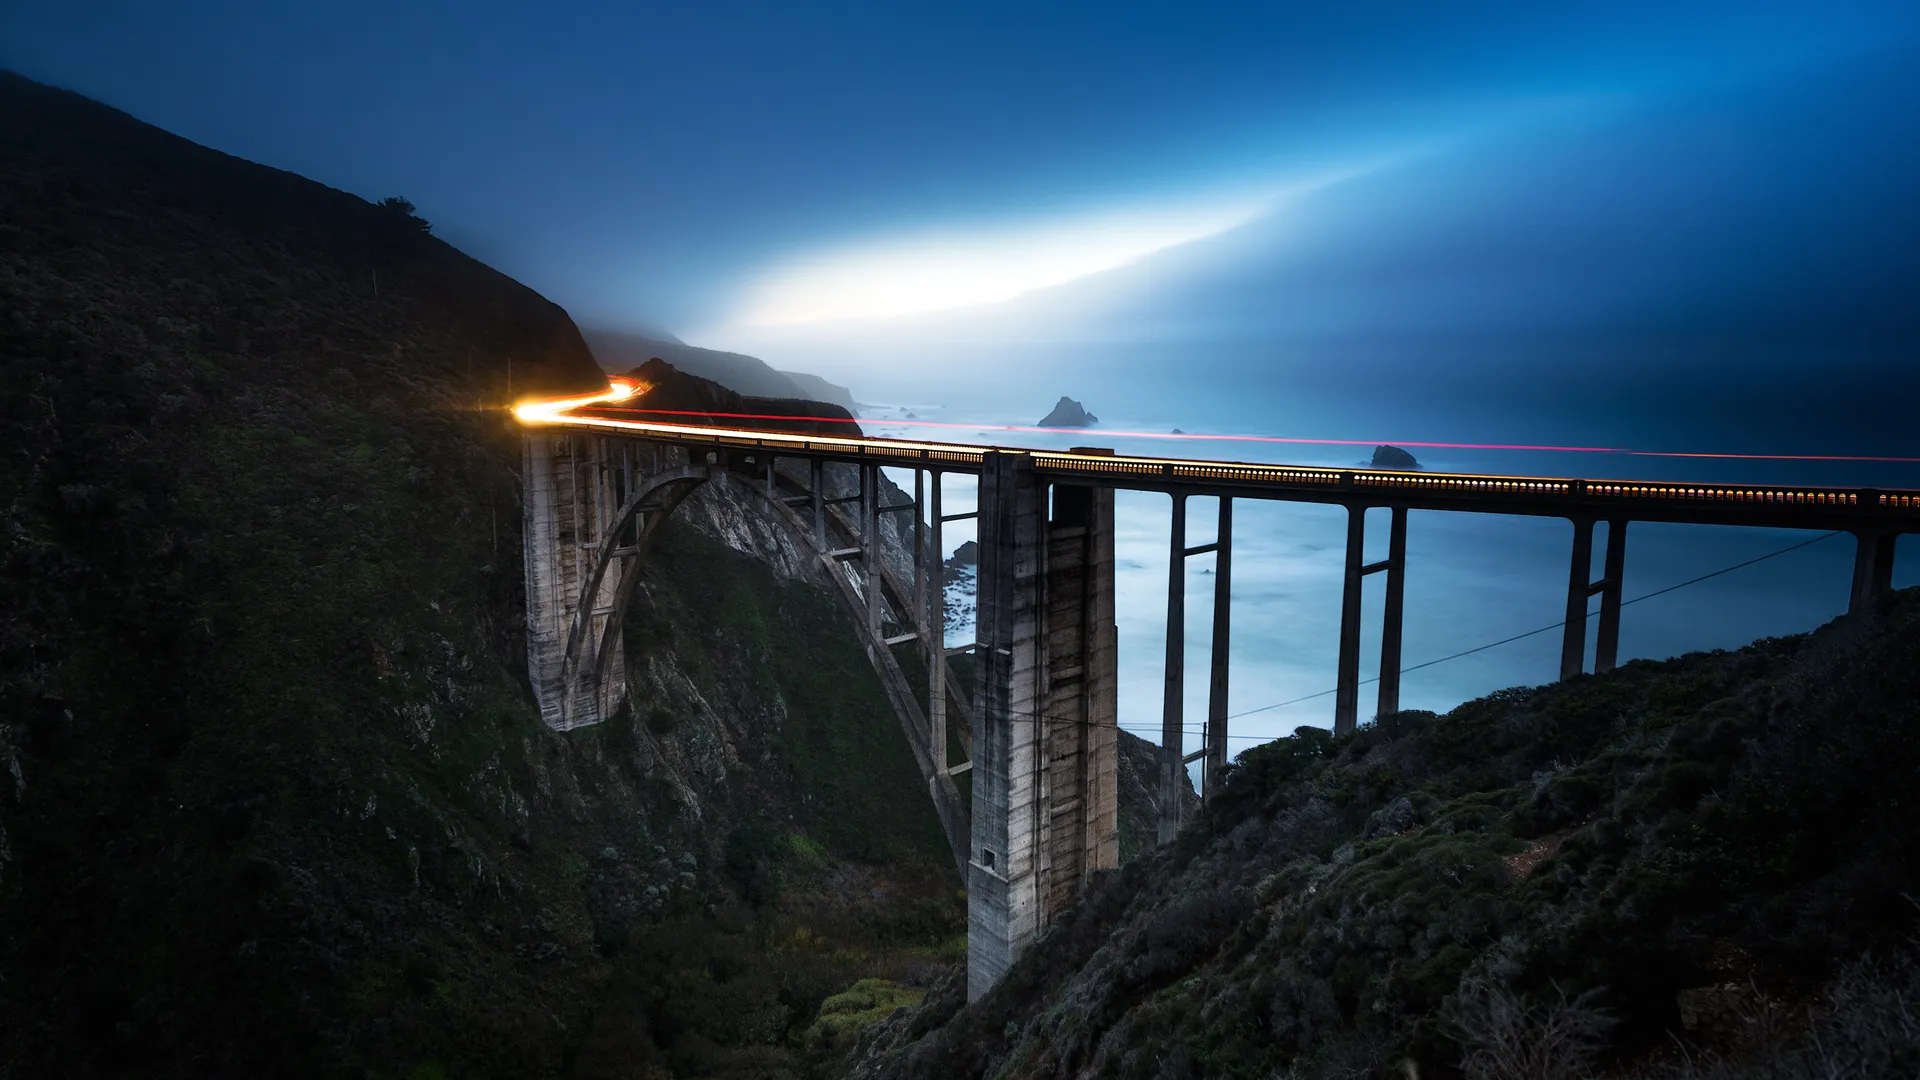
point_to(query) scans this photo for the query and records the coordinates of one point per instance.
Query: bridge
(1035, 733)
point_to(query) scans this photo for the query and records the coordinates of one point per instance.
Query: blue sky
(663, 162)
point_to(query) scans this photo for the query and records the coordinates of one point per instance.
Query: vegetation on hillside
(274, 799)
(1702, 867)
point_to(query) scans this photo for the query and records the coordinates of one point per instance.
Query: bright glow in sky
(948, 269)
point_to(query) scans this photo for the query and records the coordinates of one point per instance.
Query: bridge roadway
(1043, 802)
(1762, 505)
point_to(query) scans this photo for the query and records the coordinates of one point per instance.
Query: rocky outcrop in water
(1069, 413)
(1392, 457)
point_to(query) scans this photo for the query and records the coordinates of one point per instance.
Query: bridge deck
(1782, 506)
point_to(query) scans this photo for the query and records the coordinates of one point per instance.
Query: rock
(967, 554)
(1177, 431)
(1392, 457)
(1069, 413)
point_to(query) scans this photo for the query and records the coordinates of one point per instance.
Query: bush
(1507, 1037)
(398, 215)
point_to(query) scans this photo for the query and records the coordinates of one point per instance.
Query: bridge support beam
(570, 500)
(1872, 568)
(1045, 770)
(1346, 694)
(1216, 736)
(1573, 640)
(1606, 650)
(1580, 586)
(935, 599)
(1173, 702)
(1391, 627)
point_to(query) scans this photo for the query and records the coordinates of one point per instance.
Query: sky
(1672, 225)
(1485, 202)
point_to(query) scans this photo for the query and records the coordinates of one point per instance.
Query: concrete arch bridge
(1035, 732)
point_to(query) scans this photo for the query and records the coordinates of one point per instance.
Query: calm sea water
(1471, 580)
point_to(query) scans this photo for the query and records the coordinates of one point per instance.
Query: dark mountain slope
(1701, 844)
(618, 351)
(273, 797)
(242, 260)
(676, 397)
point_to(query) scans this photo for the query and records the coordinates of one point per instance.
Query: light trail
(554, 411)
(548, 413)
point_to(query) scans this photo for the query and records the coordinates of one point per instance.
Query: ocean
(1472, 579)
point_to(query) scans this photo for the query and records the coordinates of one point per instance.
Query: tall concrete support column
(1573, 645)
(1173, 696)
(1872, 568)
(1606, 650)
(817, 486)
(870, 544)
(936, 624)
(919, 602)
(1002, 903)
(1390, 630)
(1216, 744)
(569, 501)
(1080, 713)
(1044, 765)
(1346, 694)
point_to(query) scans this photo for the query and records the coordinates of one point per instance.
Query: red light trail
(1293, 440)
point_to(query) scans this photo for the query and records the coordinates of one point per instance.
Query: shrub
(398, 215)
(1507, 1037)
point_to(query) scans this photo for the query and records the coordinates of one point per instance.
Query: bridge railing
(1318, 484)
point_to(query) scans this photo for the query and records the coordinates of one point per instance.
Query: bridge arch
(626, 511)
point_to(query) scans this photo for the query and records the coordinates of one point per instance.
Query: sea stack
(1069, 413)
(1392, 457)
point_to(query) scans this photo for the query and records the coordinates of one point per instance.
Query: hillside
(276, 799)
(618, 351)
(1691, 869)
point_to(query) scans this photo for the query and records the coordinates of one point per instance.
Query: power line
(1185, 730)
(1544, 629)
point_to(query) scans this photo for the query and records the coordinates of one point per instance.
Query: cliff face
(1712, 852)
(273, 796)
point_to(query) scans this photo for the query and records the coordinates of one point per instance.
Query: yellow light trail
(554, 411)
(560, 411)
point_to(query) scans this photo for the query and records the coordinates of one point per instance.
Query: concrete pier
(1606, 650)
(1045, 770)
(1872, 568)
(570, 502)
(1391, 628)
(1573, 644)
(1346, 694)
(1173, 695)
(1217, 683)
(1573, 640)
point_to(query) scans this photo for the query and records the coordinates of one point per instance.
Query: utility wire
(1478, 648)
(1151, 730)
(1544, 629)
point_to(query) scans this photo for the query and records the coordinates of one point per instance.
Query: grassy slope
(1734, 825)
(275, 800)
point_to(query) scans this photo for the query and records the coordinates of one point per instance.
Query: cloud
(965, 267)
